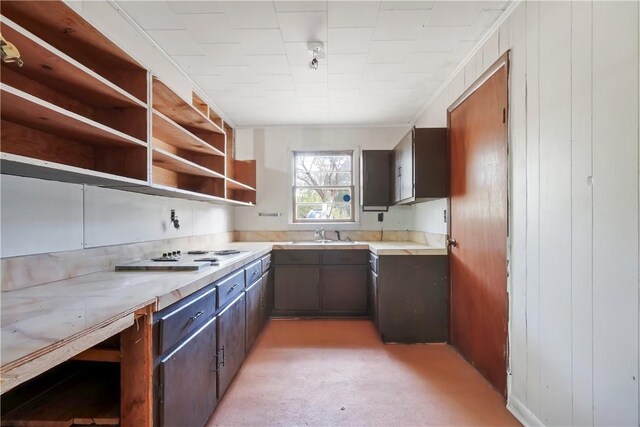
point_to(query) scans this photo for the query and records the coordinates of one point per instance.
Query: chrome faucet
(319, 234)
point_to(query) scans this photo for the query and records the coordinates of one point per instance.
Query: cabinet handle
(195, 316)
(254, 273)
(217, 357)
(232, 288)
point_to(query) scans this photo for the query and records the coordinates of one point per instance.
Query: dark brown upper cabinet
(375, 194)
(419, 166)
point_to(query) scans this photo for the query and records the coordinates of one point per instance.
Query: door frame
(502, 61)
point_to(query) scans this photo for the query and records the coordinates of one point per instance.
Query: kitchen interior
(319, 212)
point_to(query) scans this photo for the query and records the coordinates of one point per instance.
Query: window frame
(294, 187)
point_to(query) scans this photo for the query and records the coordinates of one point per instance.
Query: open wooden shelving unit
(81, 110)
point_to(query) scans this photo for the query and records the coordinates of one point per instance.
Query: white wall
(574, 192)
(272, 148)
(39, 216)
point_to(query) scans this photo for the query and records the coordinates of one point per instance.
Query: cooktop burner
(207, 259)
(226, 252)
(197, 252)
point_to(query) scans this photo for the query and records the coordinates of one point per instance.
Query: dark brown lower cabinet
(188, 380)
(231, 342)
(412, 298)
(267, 283)
(297, 288)
(372, 296)
(254, 312)
(344, 289)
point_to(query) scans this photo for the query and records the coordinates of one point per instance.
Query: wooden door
(478, 223)
(188, 380)
(231, 342)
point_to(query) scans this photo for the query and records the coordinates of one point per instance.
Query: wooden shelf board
(172, 133)
(12, 164)
(45, 63)
(89, 396)
(20, 107)
(163, 190)
(239, 203)
(236, 185)
(175, 163)
(180, 111)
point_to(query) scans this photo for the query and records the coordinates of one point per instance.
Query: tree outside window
(323, 186)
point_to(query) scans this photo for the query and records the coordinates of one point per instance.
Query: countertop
(47, 324)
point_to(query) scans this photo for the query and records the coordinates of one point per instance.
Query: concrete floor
(338, 373)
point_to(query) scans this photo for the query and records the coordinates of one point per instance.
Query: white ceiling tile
(209, 28)
(298, 53)
(189, 7)
(260, 41)
(279, 82)
(340, 96)
(388, 52)
(425, 62)
(269, 64)
(197, 64)
(353, 13)
(208, 82)
(314, 102)
(300, 6)
(251, 14)
(304, 74)
(439, 39)
(282, 96)
(414, 80)
(311, 89)
(303, 26)
(461, 50)
(482, 23)
(162, 17)
(345, 81)
(347, 64)
(410, 4)
(453, 13)
(224, 53)
(378, 88)
(495, 5)
(382, 72)
(399, 24)
(237, 74)
(175, 42)
(350, 40)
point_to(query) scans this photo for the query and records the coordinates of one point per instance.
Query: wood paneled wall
(574, 212)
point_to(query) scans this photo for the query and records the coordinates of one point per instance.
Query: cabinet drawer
(296, 257)
(266, 263)
(253, 272)
(179, 323)
(344, 257)
(373, 262)
(229, 287)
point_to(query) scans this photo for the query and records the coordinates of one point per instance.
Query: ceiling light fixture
(316, 50)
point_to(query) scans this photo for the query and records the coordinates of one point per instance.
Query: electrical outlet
(381, 217)
(445, 216)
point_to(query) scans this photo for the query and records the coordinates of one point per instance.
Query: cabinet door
(267, 284)
(188, 380)
(396, 168)
(297, 288)
(231, 342)
(406, 167)
(344, 289)
(254, 312)
(375, 178)
(372, 296)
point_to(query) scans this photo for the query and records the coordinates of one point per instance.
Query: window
(323, 186)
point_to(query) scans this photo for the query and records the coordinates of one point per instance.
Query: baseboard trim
(522, 413)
